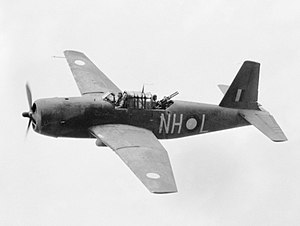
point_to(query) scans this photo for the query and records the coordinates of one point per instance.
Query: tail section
(242, 93)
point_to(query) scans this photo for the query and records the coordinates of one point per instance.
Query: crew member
(118, 99)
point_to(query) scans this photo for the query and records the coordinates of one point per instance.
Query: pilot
(121, 99)
(118, 99)
(154, 99)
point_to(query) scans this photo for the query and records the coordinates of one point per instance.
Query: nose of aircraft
(31, 115)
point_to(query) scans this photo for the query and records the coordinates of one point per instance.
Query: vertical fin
(243, 91)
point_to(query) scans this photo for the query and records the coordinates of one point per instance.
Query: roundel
(191, 123)
(79, 62)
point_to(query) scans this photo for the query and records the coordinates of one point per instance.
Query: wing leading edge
(89, 79)
(142, 153)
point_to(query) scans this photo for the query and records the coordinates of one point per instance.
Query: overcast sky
(234, 177)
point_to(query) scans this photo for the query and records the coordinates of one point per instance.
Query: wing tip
(69, 52)
(280, 140)
(163, 189)
(164, 192)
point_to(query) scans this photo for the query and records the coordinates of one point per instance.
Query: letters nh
(174, 123)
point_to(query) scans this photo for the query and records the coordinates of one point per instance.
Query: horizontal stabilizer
(265, 122)
(223, 88)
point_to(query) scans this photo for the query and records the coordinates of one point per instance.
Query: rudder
(243, 91)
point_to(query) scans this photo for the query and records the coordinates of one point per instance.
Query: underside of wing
(142, 153)
(89, 79)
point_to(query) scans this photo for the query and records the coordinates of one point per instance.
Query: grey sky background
(234, 177)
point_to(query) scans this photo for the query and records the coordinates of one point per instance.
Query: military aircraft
(130, 123)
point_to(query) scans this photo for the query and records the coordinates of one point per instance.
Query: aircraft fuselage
(72, 117)
(130, 122)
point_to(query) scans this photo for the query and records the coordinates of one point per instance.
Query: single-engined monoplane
(131, 122)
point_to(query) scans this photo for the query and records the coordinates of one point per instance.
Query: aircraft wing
(141, 152)
(89, 79)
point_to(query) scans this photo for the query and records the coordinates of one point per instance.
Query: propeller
(30, 112)
(29, 96)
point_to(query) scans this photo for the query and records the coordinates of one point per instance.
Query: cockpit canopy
(138, 100)
(109, 97)
(131, 99)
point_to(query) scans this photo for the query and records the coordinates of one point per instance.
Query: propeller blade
(29, 123)
(29, 96)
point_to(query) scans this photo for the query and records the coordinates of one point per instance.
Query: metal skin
(130, 123)
(72, 117)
